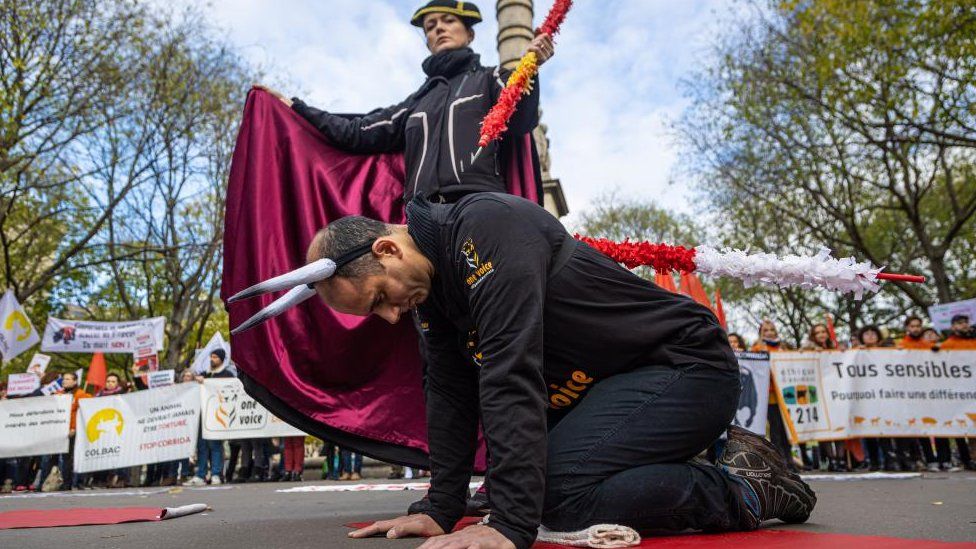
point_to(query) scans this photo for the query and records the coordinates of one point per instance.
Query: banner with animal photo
(877, 392)
(754, 398)
(137, 428)
(230, 413)
(83, 336)
(34, 426)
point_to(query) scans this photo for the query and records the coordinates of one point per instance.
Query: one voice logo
(104, 432)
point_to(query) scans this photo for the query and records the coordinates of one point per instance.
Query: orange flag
(692, 287)
(830, 329)
(96, 372)
(666, 281)
(719, 311)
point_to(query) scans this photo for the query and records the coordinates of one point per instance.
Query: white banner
(160, 378)
(941, 315)
(137, 428)
(754, 399)
(22, 384)
(867, 393)
(34, 426)
(38, 364)
(201, 361)
(17, 334)
(81, 336)
(230, 413)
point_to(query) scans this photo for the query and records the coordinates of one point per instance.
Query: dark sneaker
(478, 504)
(776, 492)
(421, 506)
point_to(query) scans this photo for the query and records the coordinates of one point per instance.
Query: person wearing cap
(962, 337)
(595, 388)
(211, 451)
(437, 127)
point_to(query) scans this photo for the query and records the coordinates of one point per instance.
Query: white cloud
(606, 96)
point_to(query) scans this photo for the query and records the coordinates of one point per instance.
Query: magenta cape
(354, 381)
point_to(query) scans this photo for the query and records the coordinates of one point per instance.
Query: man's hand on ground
(401, 527)
(472, 537)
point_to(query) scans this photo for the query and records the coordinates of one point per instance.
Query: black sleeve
(452, 418)
(503, 265)
(526, 116)
(379, 131)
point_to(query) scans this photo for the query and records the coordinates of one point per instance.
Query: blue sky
(607, 96)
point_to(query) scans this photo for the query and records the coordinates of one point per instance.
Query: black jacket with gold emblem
(553, 317)
(437, 127)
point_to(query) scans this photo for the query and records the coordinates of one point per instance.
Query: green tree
(849, 125)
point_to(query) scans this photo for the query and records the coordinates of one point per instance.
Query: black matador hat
(466, 11)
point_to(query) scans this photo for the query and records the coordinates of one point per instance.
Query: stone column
(514, 30)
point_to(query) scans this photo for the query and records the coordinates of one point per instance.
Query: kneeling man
(595, 388)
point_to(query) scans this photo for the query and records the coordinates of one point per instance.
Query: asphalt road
(935, 506)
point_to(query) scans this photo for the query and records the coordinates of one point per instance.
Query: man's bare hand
(543, 47)
(275, 93)
(472, 537)
(401, 527)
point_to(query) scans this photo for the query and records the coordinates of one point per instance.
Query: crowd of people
(247, 460)
(877, 453)
(283, 458)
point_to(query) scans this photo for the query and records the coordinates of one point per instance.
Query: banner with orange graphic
(137, 428)
(876, 392)
(34, 426)
(230, 413)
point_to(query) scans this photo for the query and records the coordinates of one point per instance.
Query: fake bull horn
(294, 296)
(309, 274)
(300, 283)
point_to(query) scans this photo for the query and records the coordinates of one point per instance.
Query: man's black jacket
(437, 127)
(522, 320)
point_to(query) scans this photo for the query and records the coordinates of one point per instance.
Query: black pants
(623, 454)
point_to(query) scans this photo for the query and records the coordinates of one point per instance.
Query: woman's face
(820, 335)
(187, 376)
(931, 336)
(111, 382)
(769, 332)
(445, 31)
(870, 338)
(735, 343)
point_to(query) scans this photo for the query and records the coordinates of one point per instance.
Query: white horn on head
(295, 296)
(315, 271)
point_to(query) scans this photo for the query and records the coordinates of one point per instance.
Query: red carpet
(49, 518)
(36, 518)
(766, 538)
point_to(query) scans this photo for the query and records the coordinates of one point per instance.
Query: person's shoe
(215, 481)
(770, 489)
(933, 467)
(478, 505)
(8, 486)
(421, 506)
(297, 477)
(953, 468)
(344, 476)
(195, 481)
(970, 465)
(355, 476)
(20, 488)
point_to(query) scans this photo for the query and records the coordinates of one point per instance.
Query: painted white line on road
(364, 487)
(878, 475)
(106, 493)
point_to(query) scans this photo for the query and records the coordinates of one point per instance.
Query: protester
(962, 337)
(350, 465)
(819, 339)
(914, 335)
(211, 451)
(420, 126)
(770, 342)
(69, 383)
(294, 458)
(737, 343)
(115, 478)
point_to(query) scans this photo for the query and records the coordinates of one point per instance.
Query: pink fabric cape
(354, 381)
